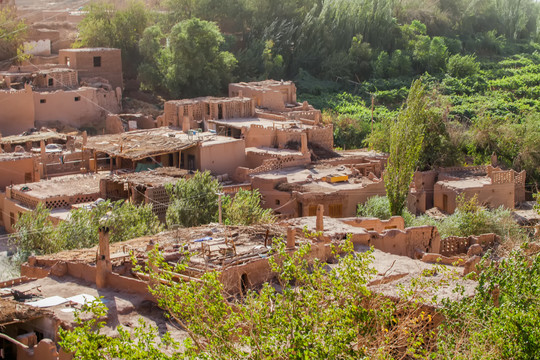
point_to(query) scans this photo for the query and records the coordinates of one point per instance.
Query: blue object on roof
(206, 238)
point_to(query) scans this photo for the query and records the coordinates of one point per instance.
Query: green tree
(106, 26)
(245, 209)
(406, 138)
(12, 35)
(438, 55)
(193, 201)
(35, 232)
(193, 63)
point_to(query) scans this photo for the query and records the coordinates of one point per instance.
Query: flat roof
(239, 123)
(90, 49)
(68, 185)
(264, 83)
(14, 156)
(33, 137)
(140, 144)
(247, 242)
(151, 178)
(209, 99)
(473, 182)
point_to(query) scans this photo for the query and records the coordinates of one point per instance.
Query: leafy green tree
(360, 54)
(245, 209)
(106, 26)
(193, 63)
(12, 34)
(193, 201)
(438, 55)
(273, 63)
(406, 138)
(382, 65)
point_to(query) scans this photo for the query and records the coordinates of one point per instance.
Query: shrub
(462, 66)
(379, 207)
(245, 209)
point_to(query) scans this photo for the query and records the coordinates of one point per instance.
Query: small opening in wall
(51, 82)
(97, 61)
(278, 202)
(42, 101)
(77, 98)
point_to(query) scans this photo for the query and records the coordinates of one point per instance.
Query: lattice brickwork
(454, 245)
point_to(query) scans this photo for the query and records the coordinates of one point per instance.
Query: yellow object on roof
(336, 178)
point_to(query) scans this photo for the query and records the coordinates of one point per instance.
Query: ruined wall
(222, 157)
(16, 111)
(455, 245)
(374, 224)
(110, 64)
(84, 106)
(410, 242)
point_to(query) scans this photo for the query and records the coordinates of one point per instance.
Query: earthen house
(58, 195)
(493, 187)
(338, 184)
(164, 146)
(94, 63)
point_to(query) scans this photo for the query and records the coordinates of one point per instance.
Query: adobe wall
(492, 195)
(63, 107)
(18, 171)
(39, 47)
(347, 198)
(420, 197)
(409, 242)
(272, 198)
(11, 208)
(375, 224)
(17, 111)
(83, 61)
(222, 158)
(259, 136)
(322, 136)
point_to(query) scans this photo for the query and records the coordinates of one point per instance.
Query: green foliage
(106, 26)
(462, 66)
(87, 340)
(245, 209)
(12, 35)
(501, 320)
(190, 64)
(193, 201)
(379, 207)
(36, 233)
(406, 138)
(470, 218)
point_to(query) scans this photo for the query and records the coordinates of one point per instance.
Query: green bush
(462, 66)
(245, 209)
(379, 207)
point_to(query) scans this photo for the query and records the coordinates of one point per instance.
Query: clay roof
(33, 137)
(209, 99)
(12, 311)
(140, 144)
(14, 156)
(68, 185)
(90, 49)
(154, 178)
